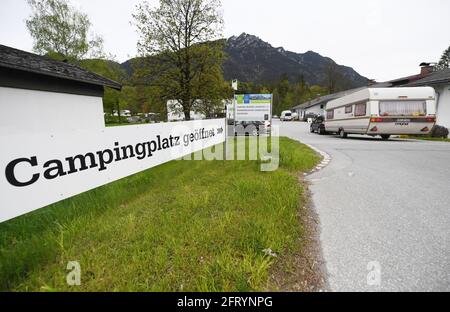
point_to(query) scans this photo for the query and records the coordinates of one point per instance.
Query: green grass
(426, 138)
(182, 226)
(432, 139)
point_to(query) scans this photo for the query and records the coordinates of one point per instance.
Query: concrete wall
(443, 107)
(29, 111)
(316, 109)
(300, 112)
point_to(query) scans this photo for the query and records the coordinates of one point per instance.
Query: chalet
(39, 94)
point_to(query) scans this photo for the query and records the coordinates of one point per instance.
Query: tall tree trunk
(118, 110)
(187, 115)
(187, 107)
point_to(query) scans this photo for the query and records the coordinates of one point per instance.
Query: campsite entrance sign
(253, 107)
(39, 169)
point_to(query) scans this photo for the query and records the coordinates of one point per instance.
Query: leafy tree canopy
(172, 38)
(58, 29)
(444, 62)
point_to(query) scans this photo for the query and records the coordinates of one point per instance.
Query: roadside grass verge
(431, 139)
(182, 226)
(425, 138)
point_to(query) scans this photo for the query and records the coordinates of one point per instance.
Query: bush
(439, 132)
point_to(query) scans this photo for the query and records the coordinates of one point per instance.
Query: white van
(286, 116)
(383, 112)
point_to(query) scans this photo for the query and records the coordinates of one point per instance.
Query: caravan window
(349, 109)
(403, 108)
(360, 109)
(330, 114)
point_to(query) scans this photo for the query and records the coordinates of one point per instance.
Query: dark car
(318, 125)
(250, 128)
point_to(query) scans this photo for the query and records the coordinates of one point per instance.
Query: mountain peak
(247, 41)
(251, 59)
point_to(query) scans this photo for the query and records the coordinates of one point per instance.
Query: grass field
(182, 226)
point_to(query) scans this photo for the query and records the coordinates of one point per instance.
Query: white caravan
(286, 116)
(383, 112)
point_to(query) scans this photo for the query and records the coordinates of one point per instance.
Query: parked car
(268, 126)
(309, 116)
(134, 119)
(152, 118)
(318, 125)
(250, 128)
(286, 116)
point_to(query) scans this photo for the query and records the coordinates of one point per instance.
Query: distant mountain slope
(252, 59)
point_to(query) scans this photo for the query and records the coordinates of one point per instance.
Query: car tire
(322, 131)
(385, 137)
(342, 134)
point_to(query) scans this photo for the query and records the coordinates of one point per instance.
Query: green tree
(209, 87)
(172, 34)
(109, 70)
(276, 102)
(58, 28)
(444, 62)
(283, 86)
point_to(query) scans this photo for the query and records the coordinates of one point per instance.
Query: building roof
(325, 99)
(422, 79)
(42, 65)
(438, 77)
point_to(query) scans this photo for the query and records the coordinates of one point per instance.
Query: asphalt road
(384, 209)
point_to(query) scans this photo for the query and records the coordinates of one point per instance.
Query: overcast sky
(381, 39)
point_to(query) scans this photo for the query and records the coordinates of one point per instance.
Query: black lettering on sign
(11, 177)
(56, 168)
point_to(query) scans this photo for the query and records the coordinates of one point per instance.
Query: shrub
(439, 132)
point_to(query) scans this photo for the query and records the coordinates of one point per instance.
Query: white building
(317, 106)
(175, 111)
(440, 81)
(39, 94)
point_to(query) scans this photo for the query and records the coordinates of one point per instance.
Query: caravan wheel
(342, 134)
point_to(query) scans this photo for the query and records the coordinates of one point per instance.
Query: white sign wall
(39, 169)
(253, 107)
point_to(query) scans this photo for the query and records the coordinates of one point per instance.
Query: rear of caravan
(383, 112)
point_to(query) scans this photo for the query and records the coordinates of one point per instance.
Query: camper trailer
(286, 116)
(383, 112)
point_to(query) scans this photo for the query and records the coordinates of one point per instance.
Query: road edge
(326, 159)
(305, 270)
